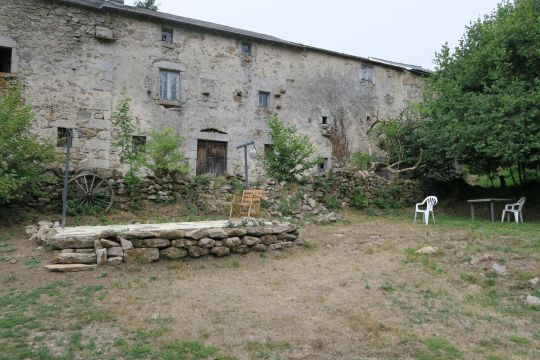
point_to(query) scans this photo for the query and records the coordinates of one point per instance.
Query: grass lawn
(356, 290)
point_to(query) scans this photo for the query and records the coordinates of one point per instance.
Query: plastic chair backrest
(431, 201)
(520, 202)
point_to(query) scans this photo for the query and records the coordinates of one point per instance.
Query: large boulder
(141, 255)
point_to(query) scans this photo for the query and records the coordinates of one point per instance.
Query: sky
(404, 31)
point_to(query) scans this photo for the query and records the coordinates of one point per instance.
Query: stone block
(236, 232)
(197, 251)
(179, 243)
(207, 242)
(101, 256)
(217, 234)
(106, 243)
(62, 241)
(74, 258)
(250, 240)
(141, 255)
(114, 260)
(151, 243)
(196, 234)
(70, 267)
(139, 234)
(269, 239)
(231, 242)
(259, 248)
(115, 251)
(172, 253)
(171, 234)
(241, 249)
(220, 251)
(126, 244)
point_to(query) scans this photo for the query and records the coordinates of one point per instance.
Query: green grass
(48, 322)
(439, 348)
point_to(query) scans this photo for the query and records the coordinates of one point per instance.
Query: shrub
(291, 153)
(23, 156)
(332, 202)
(165, 154)
(359, 201)
(361, 160)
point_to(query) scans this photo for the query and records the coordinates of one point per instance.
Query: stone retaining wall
(147, 243)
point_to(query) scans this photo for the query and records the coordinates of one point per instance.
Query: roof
(222, 29)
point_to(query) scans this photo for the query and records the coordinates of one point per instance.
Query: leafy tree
(165, 154)
(147, 4)
(23, 156)
(123, 141)
(482, 100)
(291, 153)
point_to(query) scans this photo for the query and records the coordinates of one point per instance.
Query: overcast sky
(405, 31)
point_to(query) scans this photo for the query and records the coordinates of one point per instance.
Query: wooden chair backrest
(252, 195)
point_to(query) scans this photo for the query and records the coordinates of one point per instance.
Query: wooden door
(211, 157)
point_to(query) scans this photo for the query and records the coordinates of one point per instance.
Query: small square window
(264, 98)
(246, 48)
(324, 120)
(62, 137)
(367, 73)
(169, 85)
(138, 144)
(323, 165)
(268, 148)
(5, 59)
(167, 35)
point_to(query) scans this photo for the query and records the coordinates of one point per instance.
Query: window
(264, 98)
(169, 85)
(167, 35)
(367, 73)
(324, 120)
(268, 148)
(322, 166)
(138, 144)
(246, 48)
(62, 137)
(5, 59)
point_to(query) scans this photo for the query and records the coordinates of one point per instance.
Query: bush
(291, 153)
(361, 160)
(359, 201)
(165, 154)
(332, 202)
(23, 156)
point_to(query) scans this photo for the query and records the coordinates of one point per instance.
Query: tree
(291, 153)
(123, 141)
(147, 4)
(165, 154)
(23, 156)
(482, 100)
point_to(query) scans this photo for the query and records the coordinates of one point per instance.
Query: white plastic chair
(429, 202)
(514, 208)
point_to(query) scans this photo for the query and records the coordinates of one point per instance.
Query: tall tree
(483, 99)
(147, 4)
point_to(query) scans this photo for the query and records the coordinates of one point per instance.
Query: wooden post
(472, 211)
(492, 211)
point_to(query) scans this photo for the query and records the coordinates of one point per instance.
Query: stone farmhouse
(215, 85)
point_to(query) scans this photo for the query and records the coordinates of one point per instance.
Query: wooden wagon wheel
(89, 193)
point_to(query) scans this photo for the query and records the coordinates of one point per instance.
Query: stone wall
(147, 243)
(76, 59)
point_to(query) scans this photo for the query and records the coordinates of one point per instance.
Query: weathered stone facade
(76, 56)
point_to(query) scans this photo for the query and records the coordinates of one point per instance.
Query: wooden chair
(248, 206)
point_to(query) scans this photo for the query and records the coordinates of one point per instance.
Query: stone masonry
(76, 56)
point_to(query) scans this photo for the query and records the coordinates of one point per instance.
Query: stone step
(70, 267)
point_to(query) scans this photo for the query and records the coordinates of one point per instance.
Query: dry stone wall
(149, 243)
